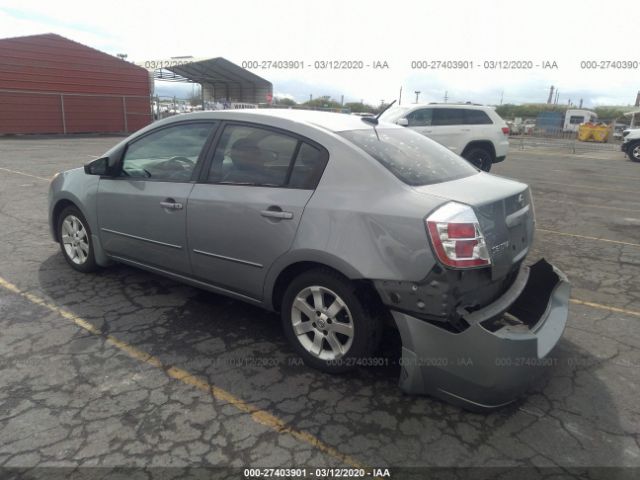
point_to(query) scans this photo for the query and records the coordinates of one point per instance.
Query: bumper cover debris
(495, 359)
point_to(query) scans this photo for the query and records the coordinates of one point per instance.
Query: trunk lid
(504, 210)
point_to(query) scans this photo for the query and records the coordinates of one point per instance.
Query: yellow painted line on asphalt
(15, 172)
(587, 237)
(259, 416)
(605, 307)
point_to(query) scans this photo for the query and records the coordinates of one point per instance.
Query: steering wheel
(184, 162)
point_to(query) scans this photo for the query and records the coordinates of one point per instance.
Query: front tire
(480, 158)
(74, 236)
(634, 152)
(327, 322)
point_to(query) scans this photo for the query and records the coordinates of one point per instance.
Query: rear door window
(448, 116)
(477, 117)
(308, 167)
(250, 155)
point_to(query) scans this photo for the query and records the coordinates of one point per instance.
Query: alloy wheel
(75, 240)
(322, 323)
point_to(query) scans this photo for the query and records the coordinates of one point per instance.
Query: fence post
(124, 113)
(64, 121)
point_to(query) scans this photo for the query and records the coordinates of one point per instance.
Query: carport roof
(227, 79)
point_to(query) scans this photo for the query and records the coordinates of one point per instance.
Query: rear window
(411, 157)
(477, 117)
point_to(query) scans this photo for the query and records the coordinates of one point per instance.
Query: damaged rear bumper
(496, 358)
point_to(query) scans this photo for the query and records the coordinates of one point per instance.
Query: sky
(396, 32)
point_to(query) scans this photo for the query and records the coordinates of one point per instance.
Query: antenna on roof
(374, 120)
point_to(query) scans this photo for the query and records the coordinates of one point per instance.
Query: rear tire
(328, 323)
(479, 157)
(74, 236)
(633, 151)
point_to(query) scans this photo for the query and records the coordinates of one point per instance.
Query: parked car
(631, 143)
(514, 128)
(338, 223)
(618, 130)
(475, 132)
(529, 126)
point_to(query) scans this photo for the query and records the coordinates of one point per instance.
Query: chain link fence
(562, 142)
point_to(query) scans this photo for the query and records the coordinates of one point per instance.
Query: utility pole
(501, 97)
(446, 96)
(550, 99)
(342, 100)
(417, 92)
(310, 97)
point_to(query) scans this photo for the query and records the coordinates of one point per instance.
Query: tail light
(456, 236)
(505, 130)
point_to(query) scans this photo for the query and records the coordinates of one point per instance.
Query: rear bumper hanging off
(497, 357)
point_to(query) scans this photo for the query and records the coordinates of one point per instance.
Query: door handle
(171, 204)
(277, 214)
(465, 129)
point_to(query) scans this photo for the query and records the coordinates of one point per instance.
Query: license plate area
(526, 311)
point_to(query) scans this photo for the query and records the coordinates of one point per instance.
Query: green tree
(527, 110)
(284, 101)
(611, 113)
(323, 102)
(360, 107)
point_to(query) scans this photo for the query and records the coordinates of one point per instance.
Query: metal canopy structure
(221, 80)
(633, 115)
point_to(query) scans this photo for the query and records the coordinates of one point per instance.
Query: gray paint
(361, 220)
(479, 369)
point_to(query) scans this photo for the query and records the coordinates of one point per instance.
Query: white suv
(475, 132)
(631, 143)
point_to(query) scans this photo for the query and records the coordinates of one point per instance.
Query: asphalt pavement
(125, 368)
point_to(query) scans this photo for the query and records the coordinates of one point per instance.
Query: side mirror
(99, 166)
(403, 122)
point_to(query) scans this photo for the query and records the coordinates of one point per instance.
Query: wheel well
(364, 287)
(61, 205)
(484, 144)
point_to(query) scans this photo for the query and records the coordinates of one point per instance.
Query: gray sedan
(342, 225)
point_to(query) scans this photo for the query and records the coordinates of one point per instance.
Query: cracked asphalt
(71, 397)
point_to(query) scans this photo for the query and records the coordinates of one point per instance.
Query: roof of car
(474, 106)
(335, 122)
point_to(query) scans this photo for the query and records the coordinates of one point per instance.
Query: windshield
(411, 157)
(393, 114)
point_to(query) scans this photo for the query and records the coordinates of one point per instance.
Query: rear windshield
(410, 156)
